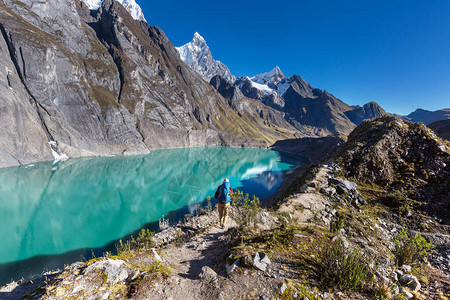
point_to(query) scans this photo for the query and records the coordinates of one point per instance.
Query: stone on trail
(258, 264)
(264, 258)
(230, 268)
(208, 275)
(411, 282)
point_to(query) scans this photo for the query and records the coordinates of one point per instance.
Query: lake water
(52, 215)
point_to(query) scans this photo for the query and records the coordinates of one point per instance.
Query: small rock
(303, 188)
(230, 268)
(329, 191)
(304, 298)
(406, 268)
(263, 298)
(283, 288)
(77, 289)
(408, 294)
(134, 274)
(299, 236)
(313, 185)
(411, 282)
(394, 277)
(325, 295)
(220, 296)
(156, 255)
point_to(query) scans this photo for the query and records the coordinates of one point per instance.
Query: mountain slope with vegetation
(442, 128)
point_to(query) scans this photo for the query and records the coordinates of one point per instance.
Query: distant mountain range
(427, 117)
(311, 111)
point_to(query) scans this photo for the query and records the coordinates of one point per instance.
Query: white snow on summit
(271, 82)
(272, 77)
(197, 55)
(131, 6)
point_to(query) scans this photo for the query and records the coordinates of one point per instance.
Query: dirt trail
(187, 262)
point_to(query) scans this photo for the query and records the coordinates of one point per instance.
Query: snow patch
(57, 154)
(130, 5)
(283, 87)
(263, 88)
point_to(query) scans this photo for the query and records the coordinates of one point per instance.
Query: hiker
(223, 196)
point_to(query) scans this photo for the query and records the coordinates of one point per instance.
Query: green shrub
(342, 268)
(143, 242)
(337, 222)
(246, 209)
(409, 248)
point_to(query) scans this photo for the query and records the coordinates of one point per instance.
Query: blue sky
(396, 53)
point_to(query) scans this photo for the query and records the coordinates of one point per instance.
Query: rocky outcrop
(368, 111)
(407, 159)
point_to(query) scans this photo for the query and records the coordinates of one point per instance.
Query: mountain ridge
(311, 111)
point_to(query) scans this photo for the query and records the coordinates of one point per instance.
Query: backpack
(224, 191)
(217, 194)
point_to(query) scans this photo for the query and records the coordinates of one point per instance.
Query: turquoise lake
(55, 214)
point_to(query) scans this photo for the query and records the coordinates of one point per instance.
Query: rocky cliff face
(101, 83)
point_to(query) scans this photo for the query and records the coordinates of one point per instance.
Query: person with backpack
(223, 196)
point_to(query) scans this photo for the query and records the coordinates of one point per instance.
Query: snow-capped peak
(131, 6)
(274, 77)
(197, 55)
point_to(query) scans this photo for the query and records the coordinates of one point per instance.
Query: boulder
(115, 270)
(264, 258)
(208, 276)
(410, 282)
(247, 261)
(258, 264)
(343, 186)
